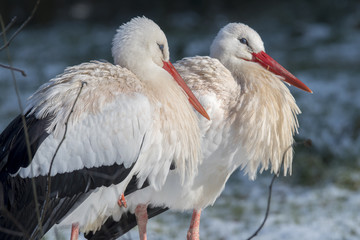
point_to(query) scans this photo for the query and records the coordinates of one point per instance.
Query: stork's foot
(122, 201)
(141, 219)
(193, 232)
(74, 231)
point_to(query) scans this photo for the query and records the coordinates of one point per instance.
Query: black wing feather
(13, 151)
(114, 229)
(16, 193)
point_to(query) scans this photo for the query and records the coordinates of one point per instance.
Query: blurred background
(317, 40)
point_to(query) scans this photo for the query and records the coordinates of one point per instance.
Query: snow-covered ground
(296, 212)
(320, 201)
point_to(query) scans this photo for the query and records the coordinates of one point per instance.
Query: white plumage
(128, 115)
(253, 120)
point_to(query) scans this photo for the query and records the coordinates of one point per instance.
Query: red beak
(270, 64)
(192, 99)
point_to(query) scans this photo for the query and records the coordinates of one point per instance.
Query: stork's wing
(104, 136)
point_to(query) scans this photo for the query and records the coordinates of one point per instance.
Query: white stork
(253, 121)
(129, 123)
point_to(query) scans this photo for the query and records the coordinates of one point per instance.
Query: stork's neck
(160, 82)
(178, 121)
(265, 118)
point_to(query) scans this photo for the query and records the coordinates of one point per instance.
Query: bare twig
(13, 69)
(13, 20)
(7, 43)
(5, 46)
(306, 143)
(11, 232)
(9, 216)
(26, 133)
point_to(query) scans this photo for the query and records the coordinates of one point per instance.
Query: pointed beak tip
(302, 86)
(207, 116)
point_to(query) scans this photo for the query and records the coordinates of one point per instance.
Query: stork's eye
(244, 41)
(161, 46)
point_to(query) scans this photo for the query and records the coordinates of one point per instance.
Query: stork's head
(237, 42)
(141, 46)
(138, 42)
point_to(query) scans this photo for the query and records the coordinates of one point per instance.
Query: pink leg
(74, 231)
(193, 232)
(122, 201)
(141, 218)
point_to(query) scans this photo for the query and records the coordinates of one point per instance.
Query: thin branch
(13, 20)
(48, 190)
(65, 131)
(26, 133)
(11, 232)
(13, 69)
(7, 43)
(306, 143)
(9, 216)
